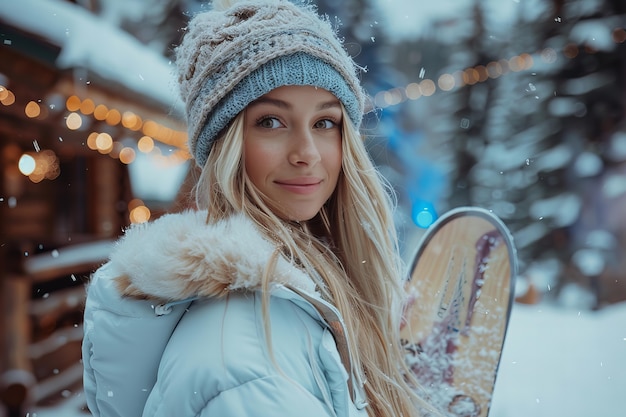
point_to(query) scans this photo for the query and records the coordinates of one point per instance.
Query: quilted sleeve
(122, 345)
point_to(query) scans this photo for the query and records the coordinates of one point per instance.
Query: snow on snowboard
(460, 295)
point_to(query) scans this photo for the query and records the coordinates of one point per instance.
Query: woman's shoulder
(122, 345)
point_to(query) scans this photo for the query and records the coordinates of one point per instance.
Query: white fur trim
(179, 256)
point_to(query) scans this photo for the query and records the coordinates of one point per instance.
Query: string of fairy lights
(41, 164)
(481, 73)
(102, 142)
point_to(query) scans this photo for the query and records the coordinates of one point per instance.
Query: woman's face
(292, 149)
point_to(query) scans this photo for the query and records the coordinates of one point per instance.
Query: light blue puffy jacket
(210, 356)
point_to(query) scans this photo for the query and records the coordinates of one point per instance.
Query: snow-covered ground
(562, 362)
(556, 362)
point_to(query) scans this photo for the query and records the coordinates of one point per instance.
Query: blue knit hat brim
(299, 69)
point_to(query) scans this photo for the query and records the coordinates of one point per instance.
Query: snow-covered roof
(64, 259)
(90, 42)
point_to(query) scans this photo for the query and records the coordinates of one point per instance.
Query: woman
(281, 294)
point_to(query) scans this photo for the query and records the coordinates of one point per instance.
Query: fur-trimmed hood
(180, 256)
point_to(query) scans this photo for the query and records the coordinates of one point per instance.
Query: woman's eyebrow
(273, 101)
(328, 105)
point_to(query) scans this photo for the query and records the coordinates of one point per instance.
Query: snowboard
(460, 292)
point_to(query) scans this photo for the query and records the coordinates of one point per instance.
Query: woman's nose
(304, 148)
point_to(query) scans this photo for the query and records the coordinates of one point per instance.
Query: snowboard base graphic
(460, 296)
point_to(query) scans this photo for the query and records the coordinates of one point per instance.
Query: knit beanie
(243, 49)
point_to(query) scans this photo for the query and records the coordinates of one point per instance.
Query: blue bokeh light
(423, 213)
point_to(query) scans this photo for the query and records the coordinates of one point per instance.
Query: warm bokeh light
(446, 82)
(395, 96)
(470, 76)
(139, 214)
(127, 155)
(91, 141)
(8, 97)
(413, 91)
(180, 156)
(482, 73)
(114, 117)
(138, 123)
(619, 35)
(87, 106)
(427, 87)
(100, 112)
(150, 128)
(571, 50)
(50, 164)
(4, 92)
(145, 144)
(74, 121)
(494, 69)
(179, 139)
(527, 61)
(516, 64)
(104, 143)
(131, 121)
(379, 99)
(40, 165)
(72, 103)
(32, 109)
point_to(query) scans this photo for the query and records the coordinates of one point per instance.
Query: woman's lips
(300, 186)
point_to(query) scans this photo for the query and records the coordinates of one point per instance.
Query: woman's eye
(269, 123)
(325, 124)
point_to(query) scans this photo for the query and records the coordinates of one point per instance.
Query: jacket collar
(180, 256)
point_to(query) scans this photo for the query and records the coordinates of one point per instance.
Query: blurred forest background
(523, 115)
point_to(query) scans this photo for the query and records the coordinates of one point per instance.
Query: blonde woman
(281, 294)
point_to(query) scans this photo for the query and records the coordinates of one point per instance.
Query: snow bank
(562, 362)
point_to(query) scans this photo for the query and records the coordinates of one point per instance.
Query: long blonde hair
(361, 270)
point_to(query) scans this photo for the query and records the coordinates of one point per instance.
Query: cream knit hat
(232, 55)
